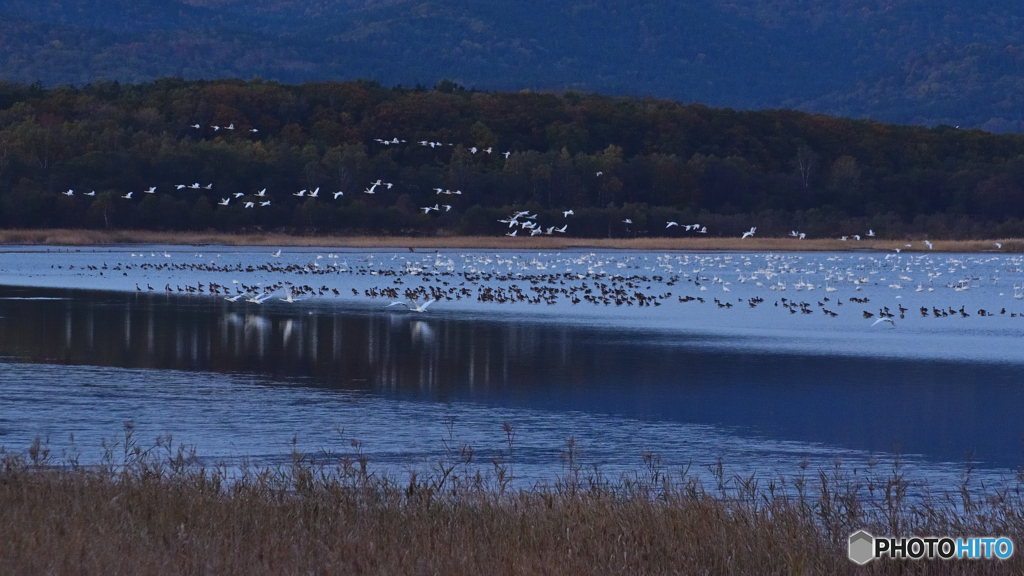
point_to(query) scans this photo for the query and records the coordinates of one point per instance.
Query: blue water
(762, 388)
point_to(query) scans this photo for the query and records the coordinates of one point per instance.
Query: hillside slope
(906, 61)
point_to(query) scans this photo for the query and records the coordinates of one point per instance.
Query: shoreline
(65, 237)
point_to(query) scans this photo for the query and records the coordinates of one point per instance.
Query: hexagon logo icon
(861, 545)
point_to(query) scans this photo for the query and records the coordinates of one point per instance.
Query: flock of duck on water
(603, 279)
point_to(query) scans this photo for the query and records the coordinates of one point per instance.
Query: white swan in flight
(413, 307)
(260, 299)
(224, 201)
(290, 299)
(128, 196)
(749, 233)
(69, 193)
(262, 193)
(277, 254)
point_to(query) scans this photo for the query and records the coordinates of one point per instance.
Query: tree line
(609, 159)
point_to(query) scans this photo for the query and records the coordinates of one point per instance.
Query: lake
(765, 361)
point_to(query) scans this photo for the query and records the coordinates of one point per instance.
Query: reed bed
(70, 237)
(160, 511)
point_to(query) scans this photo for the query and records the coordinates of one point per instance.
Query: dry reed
(68, 237)
(159, 511)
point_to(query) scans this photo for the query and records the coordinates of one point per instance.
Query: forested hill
(196, 154)
(906, 61)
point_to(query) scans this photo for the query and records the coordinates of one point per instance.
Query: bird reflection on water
(858, 403)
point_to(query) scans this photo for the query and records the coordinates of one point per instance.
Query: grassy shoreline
(158, 511)
(65, 237)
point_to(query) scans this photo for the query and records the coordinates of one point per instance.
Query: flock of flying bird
(260, 199)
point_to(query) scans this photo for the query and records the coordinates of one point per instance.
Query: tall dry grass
(67, 237)
(159, 511)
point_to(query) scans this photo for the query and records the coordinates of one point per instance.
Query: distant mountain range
(904, 61)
